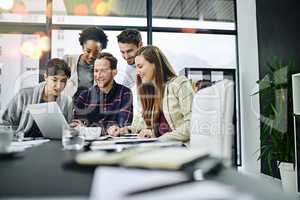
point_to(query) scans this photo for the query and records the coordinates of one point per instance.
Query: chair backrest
(212, 119)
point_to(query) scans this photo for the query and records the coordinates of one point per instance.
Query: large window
(192, 33)
(188, 50)
(100, 12)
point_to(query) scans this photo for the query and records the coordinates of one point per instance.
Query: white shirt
(126, 76)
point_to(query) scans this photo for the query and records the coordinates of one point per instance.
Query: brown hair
(130, 36)
(108, 56)
(151, 94)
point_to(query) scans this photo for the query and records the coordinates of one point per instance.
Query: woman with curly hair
(93, 40)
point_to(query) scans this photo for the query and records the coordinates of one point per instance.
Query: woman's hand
(146, 133)
(116, 131)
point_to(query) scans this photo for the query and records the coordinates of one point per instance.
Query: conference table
(48, 171)
(44, 170)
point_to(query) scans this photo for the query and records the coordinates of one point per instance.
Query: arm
(13, 111)
(184, 96)
(125, 115)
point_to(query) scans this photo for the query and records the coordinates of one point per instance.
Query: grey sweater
(17, 114)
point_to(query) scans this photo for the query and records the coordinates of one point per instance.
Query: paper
(113, 183)
(28, 144)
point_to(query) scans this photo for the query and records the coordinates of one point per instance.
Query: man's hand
(76, 123)
(114, 130)
(117, 131)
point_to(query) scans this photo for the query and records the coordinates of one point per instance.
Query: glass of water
(6, 135)
(72, 139)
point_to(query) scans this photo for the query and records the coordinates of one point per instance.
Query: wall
(248, 71)
(278, 35)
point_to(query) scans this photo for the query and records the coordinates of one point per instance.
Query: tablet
(48, 118)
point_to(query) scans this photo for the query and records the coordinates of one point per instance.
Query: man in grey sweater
(16, 112)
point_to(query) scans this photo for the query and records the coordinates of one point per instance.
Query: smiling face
(128, 51)
(55, 84)
(91, 49)
(144, 69)
(103, 73)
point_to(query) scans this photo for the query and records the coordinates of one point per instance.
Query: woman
(93, 40)
(166, 99)
(17, 114)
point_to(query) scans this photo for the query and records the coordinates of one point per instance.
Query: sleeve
(70, 110)
(13, 111)
(125, 115)
(80, 105)
(184, 95)
(138, 123)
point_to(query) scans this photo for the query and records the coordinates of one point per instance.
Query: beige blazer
(177, 109)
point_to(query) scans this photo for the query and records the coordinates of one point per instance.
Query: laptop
(49, 118)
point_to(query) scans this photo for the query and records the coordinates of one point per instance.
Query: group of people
(145, 97)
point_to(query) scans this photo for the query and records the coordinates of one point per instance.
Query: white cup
(72, 138)
(6, 135)
(90, 133)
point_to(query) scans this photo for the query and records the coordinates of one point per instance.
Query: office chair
(212, 120)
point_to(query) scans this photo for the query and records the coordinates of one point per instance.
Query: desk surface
(43, 171)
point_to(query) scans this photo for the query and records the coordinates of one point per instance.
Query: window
(60, 53)
(192, 33)
(96, 12)
(197, 50)
(205, 14)
(23, 11)
(21, 51)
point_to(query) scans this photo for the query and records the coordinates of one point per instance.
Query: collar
(112, 90)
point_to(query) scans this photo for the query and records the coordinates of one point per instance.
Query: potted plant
(277, 128)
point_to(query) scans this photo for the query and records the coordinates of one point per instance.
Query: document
(114, 183)
(118, 183)
(28, 144)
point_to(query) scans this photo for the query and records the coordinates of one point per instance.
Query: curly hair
(93, 33)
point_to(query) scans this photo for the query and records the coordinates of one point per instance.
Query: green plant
(277, 132)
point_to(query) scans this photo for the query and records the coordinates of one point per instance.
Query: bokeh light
(103, 8)
(20, 8)
(44, 43)
(189, 30)
(6, 4)
(81, 9)
(30, 50)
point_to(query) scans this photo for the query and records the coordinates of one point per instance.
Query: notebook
(172, 158)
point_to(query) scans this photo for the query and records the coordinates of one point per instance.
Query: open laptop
(49, 119)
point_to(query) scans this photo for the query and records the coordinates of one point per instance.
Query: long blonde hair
(151, 94)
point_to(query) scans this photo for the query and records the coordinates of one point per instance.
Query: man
(129, 41)
(107, 104)
(93, 40)
(16, 113)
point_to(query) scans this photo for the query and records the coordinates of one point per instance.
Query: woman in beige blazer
(166, 99)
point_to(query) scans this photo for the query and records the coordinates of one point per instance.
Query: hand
(146, 133)
(76, 123)
(114, 131)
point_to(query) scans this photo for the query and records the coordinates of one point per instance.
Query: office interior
(233, 39)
